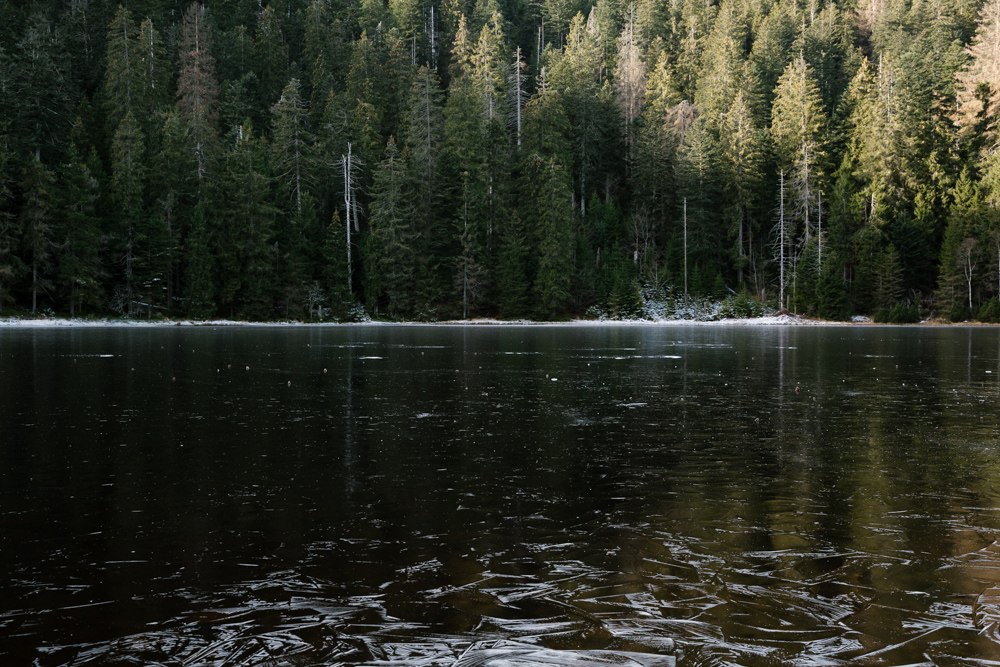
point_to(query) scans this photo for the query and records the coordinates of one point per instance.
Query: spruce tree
(292, 144)
(41, 90)
(197, 88)
(978, 83)
(11, 266)
(269, 54)
(554, 239)
(797, 125)
(37, 222)
(514, 300)
(198, 275)
(741, 162)
(79, 271)
(128, 184)
(335, 269)
(248, 256)
(389, 245)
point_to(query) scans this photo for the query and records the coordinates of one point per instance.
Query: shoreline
(772, 320)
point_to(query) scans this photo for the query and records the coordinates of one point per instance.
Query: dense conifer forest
(430, 159)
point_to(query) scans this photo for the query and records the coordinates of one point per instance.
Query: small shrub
(742, 306)
(959, 312)
(990, 312)
(898, 314)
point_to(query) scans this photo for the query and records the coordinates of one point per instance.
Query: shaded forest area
(537, 159)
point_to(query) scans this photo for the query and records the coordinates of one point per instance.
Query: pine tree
(175, 195)
(696, 174)
(769, 55)
(153, 76)
(425, 143)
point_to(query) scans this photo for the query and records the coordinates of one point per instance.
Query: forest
(542, 159)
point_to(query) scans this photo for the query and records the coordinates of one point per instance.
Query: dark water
(750, 496)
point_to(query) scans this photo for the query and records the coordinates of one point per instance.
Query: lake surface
(392, 495)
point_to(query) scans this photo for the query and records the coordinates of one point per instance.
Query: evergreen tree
(292, 145)
(630, 75)
(197, 88)
(335, 268)
(200, 289)
(37, 223)
(554, 239)
(466, 147)
(41, 90)
(247, 254)
(425, 141)
(121, 77)
(513, 286)
(960, 249)
(128, 184)
(722, 64)
(978, 83)
(797, 126)
(389, 244)
(79, 263)
(741, 162)
(269, 54)
(11, 266)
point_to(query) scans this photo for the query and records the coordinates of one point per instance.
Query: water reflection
(708, 495)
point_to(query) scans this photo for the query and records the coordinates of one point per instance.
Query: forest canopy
(432, 159)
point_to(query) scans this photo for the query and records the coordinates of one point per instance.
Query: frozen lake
(441, 495)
